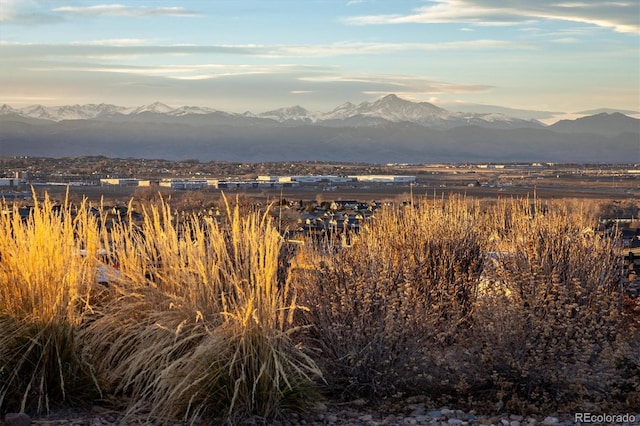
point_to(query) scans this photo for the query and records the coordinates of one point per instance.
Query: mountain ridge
(387, 130)
(389, 108)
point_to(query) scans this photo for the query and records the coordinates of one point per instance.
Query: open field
(556, 183)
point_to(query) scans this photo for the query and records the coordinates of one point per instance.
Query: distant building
(11, 182)
(184, 183)
(120, 182)
(384, 178)
(320, 178)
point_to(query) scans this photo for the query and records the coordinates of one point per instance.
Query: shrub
(548, 325)
(383, 310)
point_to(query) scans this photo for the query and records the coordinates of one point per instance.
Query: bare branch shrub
(548, 326)
(382, 310)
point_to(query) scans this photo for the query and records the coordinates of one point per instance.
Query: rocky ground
(413, 411)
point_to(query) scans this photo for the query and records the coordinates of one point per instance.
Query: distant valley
(390, 129)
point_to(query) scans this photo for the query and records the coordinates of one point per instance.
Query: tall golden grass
(44, 296)
(517, 303)
(199, 323)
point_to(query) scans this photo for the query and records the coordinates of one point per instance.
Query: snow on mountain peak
(6, 109)
(186, 110)
(294, 113)
(395, 109)
(156, 107)
(389, 108)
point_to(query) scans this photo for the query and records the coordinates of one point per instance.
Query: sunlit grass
(201, 324)
(517, 303)
(45, 291)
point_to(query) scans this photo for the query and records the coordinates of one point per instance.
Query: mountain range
(390, 129)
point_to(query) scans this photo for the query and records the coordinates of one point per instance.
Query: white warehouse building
(384, 178)
(184, 183)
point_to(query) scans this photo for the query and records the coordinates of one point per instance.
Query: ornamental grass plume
(45, 292)
(200, 326)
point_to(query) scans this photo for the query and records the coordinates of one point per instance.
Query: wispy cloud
(181, 72)
(566, 40)
(119, 48)
(401, 83)
(26, 12)
(621, 16)
(117, 42)
(125, 11)
(350, 48)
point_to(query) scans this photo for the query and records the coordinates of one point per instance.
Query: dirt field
(605, 182)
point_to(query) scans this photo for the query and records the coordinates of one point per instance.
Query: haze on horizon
(543, 55)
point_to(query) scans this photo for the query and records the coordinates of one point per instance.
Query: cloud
(125, 11)
(31, 12)
(120, 48)
(117, 42)
(621, 16)
(398, 83)
(180, 72)
(25, 12)
(351, 48)
(566, 40)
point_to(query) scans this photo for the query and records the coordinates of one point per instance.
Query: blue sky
(238, 55)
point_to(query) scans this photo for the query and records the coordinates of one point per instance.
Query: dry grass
(45, 292)
(548, 326)
(199, 324)
(517, 304)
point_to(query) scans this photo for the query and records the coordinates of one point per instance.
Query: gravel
(355, 413)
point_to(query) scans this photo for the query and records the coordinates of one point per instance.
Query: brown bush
(548, 326)
(515, 306)
(382, 310)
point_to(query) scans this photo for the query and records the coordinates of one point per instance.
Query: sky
(256, 55)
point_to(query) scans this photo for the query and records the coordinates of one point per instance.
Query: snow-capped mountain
(295, 114)
(389, 109)
(187, 110)
(66, 112)
(6, 109)
(156, 108)
(387, 130)
(395, 109)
